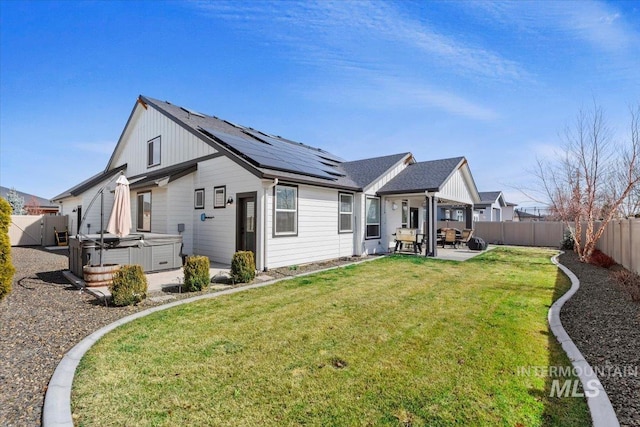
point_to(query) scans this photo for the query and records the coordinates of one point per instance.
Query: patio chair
(450, 238)
(466, 235)
(62, 237)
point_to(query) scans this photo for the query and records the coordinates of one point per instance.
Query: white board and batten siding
(318, 238)
(456, 189)
(67, 208)
(216, 237)
(93, 214)
(177, 145)
(381, 244)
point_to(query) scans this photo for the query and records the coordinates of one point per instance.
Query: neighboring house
(508, 212)
(227, 187)
(33, 204)
(524, 216)
(493, 207)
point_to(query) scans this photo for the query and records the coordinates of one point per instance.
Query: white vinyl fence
(35, 230)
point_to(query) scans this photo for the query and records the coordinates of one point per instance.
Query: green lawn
(398, 341)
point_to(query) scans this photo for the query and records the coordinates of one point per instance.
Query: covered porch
(421, 213)
(426, 197)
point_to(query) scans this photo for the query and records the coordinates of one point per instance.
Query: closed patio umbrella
(120, 220)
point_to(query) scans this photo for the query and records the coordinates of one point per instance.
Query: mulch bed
(44, 317)
(604, 323)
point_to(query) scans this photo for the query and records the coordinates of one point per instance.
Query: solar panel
(275, 153)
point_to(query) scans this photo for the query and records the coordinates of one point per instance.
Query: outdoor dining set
(411, 238)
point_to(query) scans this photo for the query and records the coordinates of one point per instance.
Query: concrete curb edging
(56, 411)
(602, 413)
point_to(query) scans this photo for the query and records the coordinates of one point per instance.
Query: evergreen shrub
(129, 285)
(196, 273)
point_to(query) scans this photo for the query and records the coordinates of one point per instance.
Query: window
(345, 222)
(144, 211)
(219, 197)
(405, 213)
(198, 198)
(459, 216)
(373, 218)
(286, 210)
(447, 214)
(153, 152)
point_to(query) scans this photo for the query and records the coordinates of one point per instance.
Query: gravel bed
(604, 323)
(44, 317)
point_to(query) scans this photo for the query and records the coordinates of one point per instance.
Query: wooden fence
(35, 230)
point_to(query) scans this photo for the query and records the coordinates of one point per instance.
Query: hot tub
(152, 251)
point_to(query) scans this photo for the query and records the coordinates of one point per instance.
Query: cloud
(362, 35)
(599, 24)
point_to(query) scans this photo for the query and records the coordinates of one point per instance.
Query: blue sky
(496, 82)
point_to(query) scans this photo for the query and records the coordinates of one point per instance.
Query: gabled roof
(41, 201)
(487, 198)
(265, 155)
(422, 176)
(365, 171)
(88, 183)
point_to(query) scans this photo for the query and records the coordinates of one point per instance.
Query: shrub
(601, 259)
(243, 267)
(129, 285)
(567, 242)
(6, 267)
(629, 282)
(196, 273)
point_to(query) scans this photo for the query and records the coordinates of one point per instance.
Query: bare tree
(593, 177)
(33, 207)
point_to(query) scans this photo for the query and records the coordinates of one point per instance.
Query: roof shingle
(422, 176)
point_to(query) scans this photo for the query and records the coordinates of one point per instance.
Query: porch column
(469, 216)
(432, 224)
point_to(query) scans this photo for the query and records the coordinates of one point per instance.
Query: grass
(398, 341)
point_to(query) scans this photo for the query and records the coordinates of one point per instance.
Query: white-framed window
(405, 214)
(373, 218)
(345, 213)
(198, 198)
(447, 214)
(220, 197)
(153, 152)
(144, 211)
(459, 215)
(286, 210)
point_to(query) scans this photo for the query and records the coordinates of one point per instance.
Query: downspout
(265, 235)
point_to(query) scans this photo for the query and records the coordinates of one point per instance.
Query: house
(493, 207)
(521, 215)
(33, 205)
(226, 187)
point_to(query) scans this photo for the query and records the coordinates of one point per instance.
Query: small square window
(198, 198)
(220, 197)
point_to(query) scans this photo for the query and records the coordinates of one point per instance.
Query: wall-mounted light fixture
(394, 206)
(230, 200)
